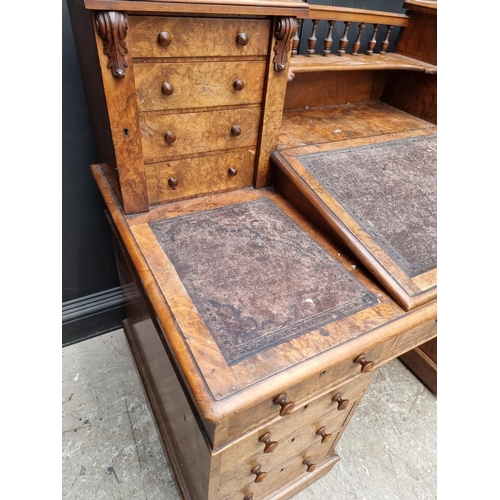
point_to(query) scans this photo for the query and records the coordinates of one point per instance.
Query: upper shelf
(350, 62)
(357, 39)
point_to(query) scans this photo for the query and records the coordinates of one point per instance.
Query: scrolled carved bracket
(284, 31)
(113, 28)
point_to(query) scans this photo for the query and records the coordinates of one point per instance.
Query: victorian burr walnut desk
(273, 216)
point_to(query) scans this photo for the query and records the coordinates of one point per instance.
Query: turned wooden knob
(343, 403)
(310, 465)
(170, 137)
(164, 38)
(270, 445)
(286, 407)
(366, 366)
(173, 182)
(242, 38)
(167, 88)
(232, 171)
(324, 436)
(239, 84)
(235, 130)
(260, 475)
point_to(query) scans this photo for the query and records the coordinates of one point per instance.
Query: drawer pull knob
(366, 366)
(232, 171)
(286, 407)
(173, 182)
(324, 436)
(170, 137)
(167, 88)
(235, 130)
(260, 475)
(343, 403)
(164, 38)
(270, 445)
(310, 465)
(242, 38)
(239, 84)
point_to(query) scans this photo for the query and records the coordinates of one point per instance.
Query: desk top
(252, 290)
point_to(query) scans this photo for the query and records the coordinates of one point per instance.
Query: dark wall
(89, 277)
(92, 301)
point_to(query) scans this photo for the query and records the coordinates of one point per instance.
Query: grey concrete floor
(110, 447)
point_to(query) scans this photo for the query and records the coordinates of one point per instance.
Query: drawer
(296, 432)
(289, 471)
(197, 37)
(303, 391)
(197, 176)
(167, 136)
(165, 86)
(414, 337)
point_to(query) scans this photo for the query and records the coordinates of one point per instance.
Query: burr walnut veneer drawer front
(162, 86)
(188, 177)
(167, 136)
(301, 392)
(197, 37)
(302, 464)
(283, 437)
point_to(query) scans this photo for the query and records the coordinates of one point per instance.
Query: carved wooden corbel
(284, 31)
(113, 28)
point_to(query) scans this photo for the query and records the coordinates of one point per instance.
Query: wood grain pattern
(204, 7)
(198, 132)
(300, 426)
(291, 470)
(413, 93)
(198, 176)
(272, 111)
(426, 280)
(333, 88)
(122, 110)
(193, 37)
(419, 39)
(419, 335)
(334, 13)
(293, 487)
(349, 62)
(198, 85)
(320, 126)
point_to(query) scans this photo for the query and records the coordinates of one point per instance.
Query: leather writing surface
(256, 278)
(390, 190)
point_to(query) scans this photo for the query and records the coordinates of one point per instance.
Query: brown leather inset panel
(256, 277)
(390, 189)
